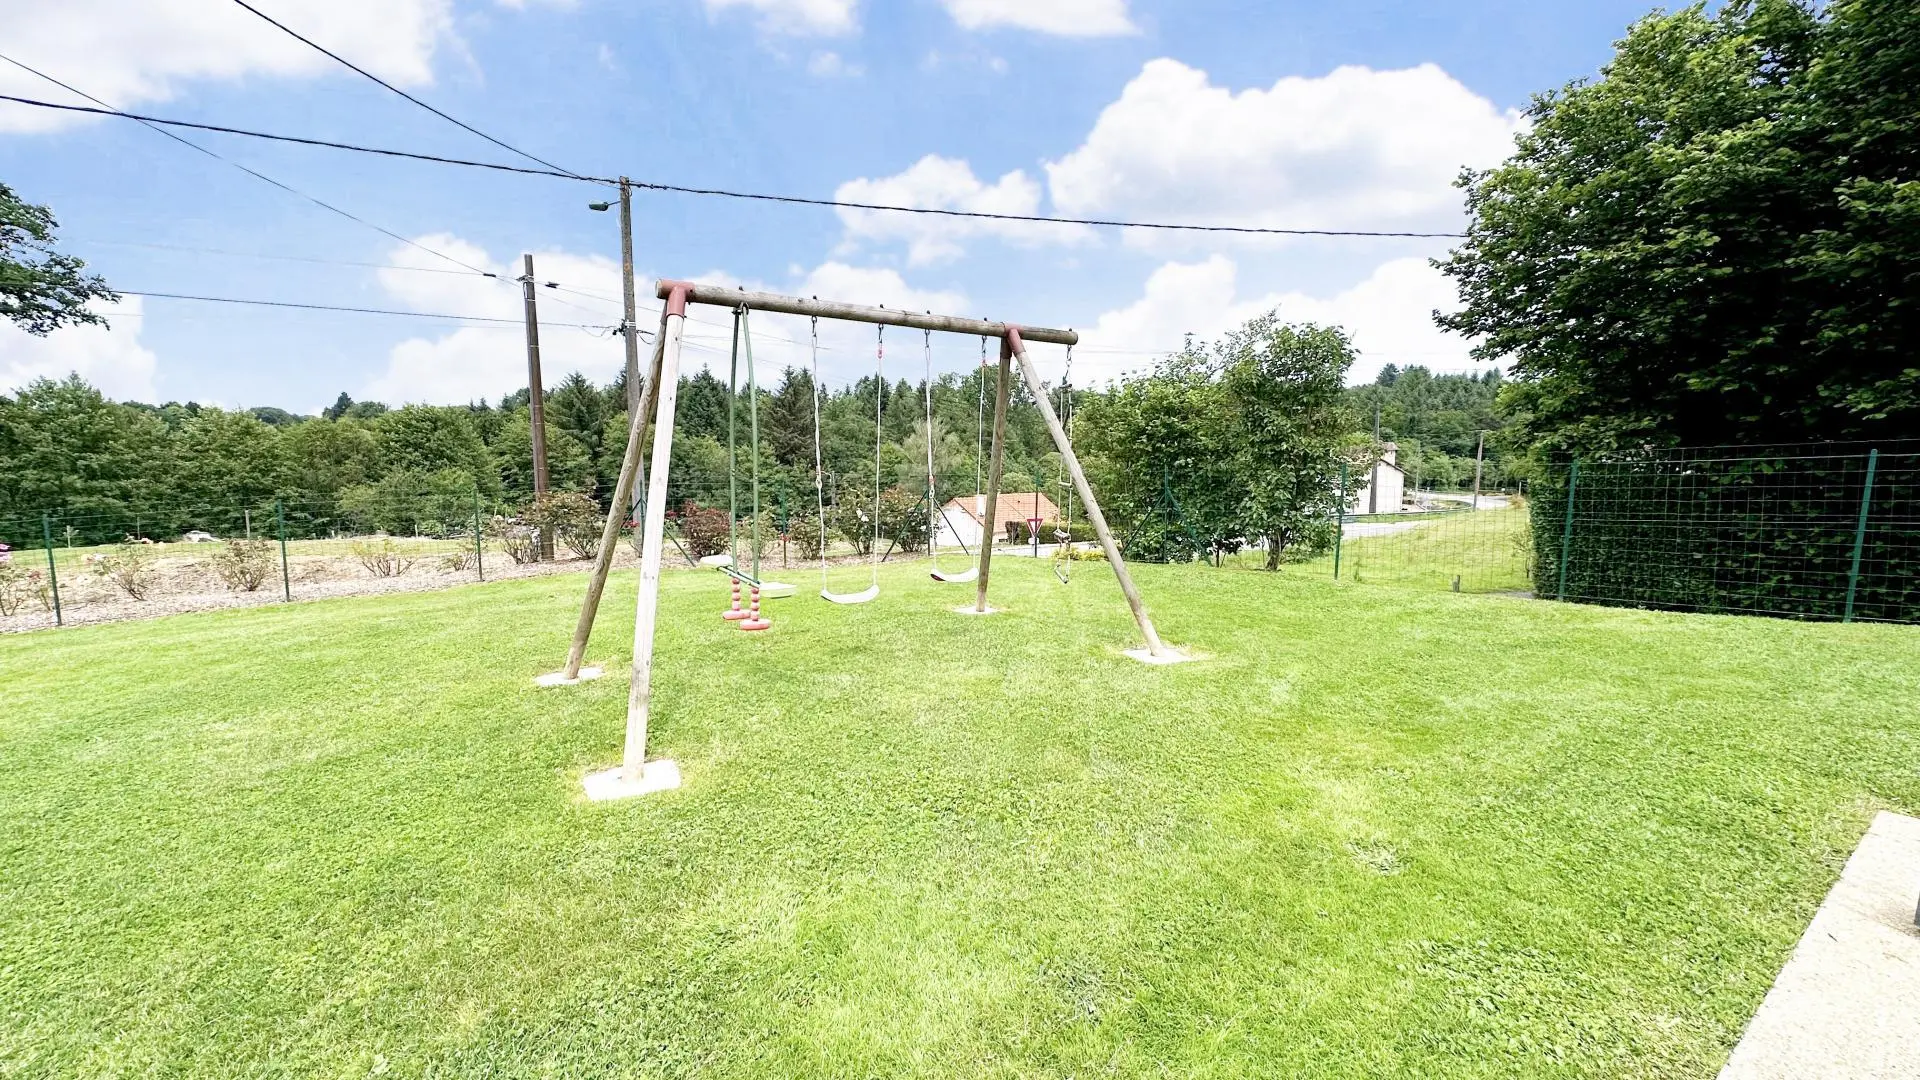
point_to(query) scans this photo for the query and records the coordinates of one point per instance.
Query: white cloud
(831, 65)
(796, 16)
(1388, 315)
(948, 184)
(1068, 18)
(1354, 149)
(486, 361)
(131, 53)
(474, 362)
(113, 360)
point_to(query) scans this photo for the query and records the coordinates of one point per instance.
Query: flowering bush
(129, 565)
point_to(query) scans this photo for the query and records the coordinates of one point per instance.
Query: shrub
(804, 530)
(245, 564)
(520, 541)
(384, 559)
(851, 520)
(460, 558)
(129, 565)
(703, 528)
(573, 518)
(18, 584)
(903, 519)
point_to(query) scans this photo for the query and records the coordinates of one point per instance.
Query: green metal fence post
(479, 550)
(1339, 521)
(53, 576)
(1566, 531)
(280, 523)
(1860, 532)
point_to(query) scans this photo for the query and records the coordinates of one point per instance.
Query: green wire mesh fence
(1819, 532)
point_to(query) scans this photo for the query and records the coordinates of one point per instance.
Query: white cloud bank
(1388, 315)
(486, 361)
(133, 53)
(1065, 18)
(112, 359)
(1354, 149)
(943, 183)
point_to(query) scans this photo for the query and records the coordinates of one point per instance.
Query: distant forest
(71, 451)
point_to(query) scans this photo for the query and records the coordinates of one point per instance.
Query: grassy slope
(1380, 833)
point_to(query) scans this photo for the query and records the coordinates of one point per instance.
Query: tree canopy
(1717, 241)
(41, 289)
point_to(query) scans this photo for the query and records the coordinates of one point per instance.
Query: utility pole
(1373, 485)
(1479, 458)
(536, 399)
(631, 328)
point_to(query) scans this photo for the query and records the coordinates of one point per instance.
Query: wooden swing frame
(635, 775)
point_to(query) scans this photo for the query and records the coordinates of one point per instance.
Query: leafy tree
(67, 448)
(41, 289)
(1254, 428)
(432, 438)
(325, 456)
(569, 468)
(339, 408)
(225, 459)
(1716, 241)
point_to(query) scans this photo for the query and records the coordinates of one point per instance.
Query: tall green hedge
(1736, 530)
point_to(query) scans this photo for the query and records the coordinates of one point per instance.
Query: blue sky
(1349, 115)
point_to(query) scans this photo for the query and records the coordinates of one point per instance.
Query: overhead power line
(1250, 230)
(156, 128)
(350, 65)
(356, 310)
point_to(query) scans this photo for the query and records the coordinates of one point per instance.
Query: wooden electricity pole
(536, 399)
(636, 392)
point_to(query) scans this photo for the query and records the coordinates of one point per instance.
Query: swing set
(636, 775)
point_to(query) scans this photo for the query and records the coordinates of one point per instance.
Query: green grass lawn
(1378, 833)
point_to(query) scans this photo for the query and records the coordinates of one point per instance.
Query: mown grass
(1377, 833)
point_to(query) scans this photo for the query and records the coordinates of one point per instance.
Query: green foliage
(41, 289)
(383, 558)
(804, 531)
(129, 565)
(703, 529)
(853, 519)
(410, 503)
(19, 585)
(1716, 241)
(243, 565)
(903, 519)
(1252, 429)
(519, 540)
(572, 518)
(1754, 532)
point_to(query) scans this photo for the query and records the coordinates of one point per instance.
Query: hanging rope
(933, 506)
(753, 443)
(733, 471)
(980, 422)
(879, 403)
(819, 473)
(1063, 555)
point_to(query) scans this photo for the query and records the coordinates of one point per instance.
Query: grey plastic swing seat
(860, 597)
(971, 573)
